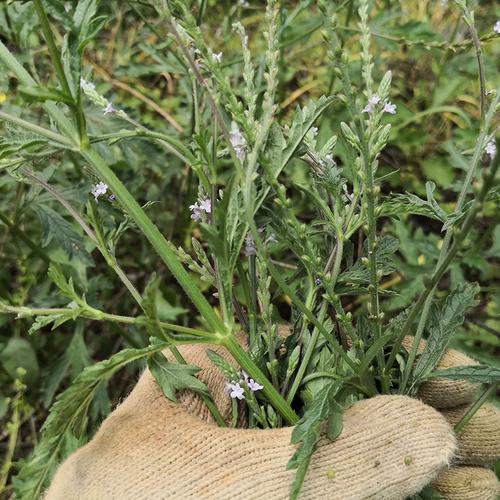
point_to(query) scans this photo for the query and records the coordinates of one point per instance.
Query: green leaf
(406, 204)
(481, 374)
(172, 377)
(149, 298)
(68, 415)
(307, 431)
(335, 422)
(444, 325)
(85, 25)
(55, 227)
(42, 94)
(66, 287)
(75, 357)
(18, 353)
(229, 372)
(373, 350)
(303, 120)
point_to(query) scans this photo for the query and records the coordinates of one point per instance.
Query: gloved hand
(390, 447)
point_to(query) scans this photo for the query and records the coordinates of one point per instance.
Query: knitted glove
(390, 447)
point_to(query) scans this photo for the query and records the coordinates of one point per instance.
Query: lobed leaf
(443, 326)
(307, 431)
(172, 377)
(481, 374)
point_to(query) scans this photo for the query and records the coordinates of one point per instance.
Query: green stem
(54, 53)
(96, 314)
(466, 14)
(307, 356)
(475, 407)
(246, 363)
(252, 316)
(374, 316)
(160, 244)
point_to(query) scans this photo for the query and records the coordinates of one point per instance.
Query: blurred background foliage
(131, 62)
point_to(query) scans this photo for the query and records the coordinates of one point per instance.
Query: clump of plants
(254, 242)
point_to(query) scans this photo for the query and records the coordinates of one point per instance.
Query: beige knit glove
(390, 447)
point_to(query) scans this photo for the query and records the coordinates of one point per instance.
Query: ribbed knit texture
(468, 483)
(479, 442)
(150, 448)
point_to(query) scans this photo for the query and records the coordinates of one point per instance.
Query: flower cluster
(491, 149)
(108, 108)
(89, 90)
(374, 100)
(199, 208)
(99, 189)
(237, 141)
(237, 391)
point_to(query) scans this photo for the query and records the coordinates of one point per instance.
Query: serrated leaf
(307, 432)
(43, 94)
(430, 187)
(229, 372)
(55, 227)
(406, 204)
(149, 298)
(293, 360)
(67, 415)
(481, 374)
(66, 286)
(172, 377)
(444, 325)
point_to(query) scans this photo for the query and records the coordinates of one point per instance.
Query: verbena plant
(247, 219)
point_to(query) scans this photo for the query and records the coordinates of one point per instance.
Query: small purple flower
(109, 109)
(200, 207)
(235, 390)
(389, 108)
(317, 281)
(237, 141)
(254, 386)
(496, 28)
(372, 102)
(98, 190)
(491, 149)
